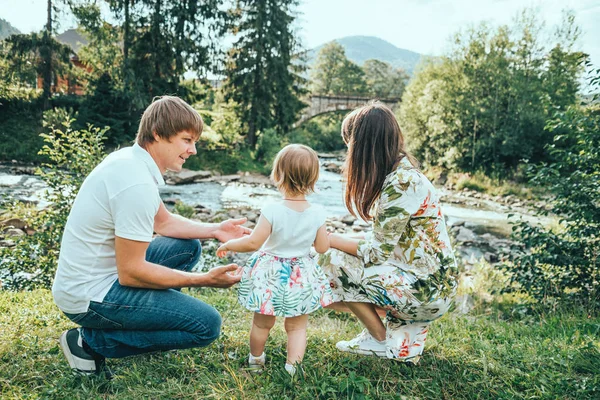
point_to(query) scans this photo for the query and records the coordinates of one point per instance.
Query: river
(487, 216)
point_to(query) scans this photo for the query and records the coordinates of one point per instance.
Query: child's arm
(248, 243)
(322, 240)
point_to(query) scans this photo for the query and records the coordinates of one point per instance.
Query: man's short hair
(167, 116)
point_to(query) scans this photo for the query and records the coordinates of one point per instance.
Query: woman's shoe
(364, 344)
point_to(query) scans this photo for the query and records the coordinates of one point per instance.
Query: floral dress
(283, 278)
(405, 265)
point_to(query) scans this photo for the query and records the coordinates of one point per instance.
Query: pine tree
(263, 72)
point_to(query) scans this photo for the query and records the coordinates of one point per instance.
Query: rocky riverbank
(474, 239)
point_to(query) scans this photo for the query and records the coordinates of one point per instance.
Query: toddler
(282, 278)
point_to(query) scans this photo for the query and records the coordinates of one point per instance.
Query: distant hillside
(362, 48)
(73, 39)
(6, 29)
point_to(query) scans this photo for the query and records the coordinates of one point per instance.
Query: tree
(483, 106)
(107, 107)
(562, 262)
(164, 39)
(383, 81)
(263, 69)
(34, 55)
(49, 57)
(334, 74)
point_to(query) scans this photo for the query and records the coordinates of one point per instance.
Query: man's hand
(224, 276)
(231, 229)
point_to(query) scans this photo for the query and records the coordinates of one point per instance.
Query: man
(113, 278)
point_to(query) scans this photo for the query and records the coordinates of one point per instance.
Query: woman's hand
(231, 229)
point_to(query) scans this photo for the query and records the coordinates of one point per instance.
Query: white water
(217, 196)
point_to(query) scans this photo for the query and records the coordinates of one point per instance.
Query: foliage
(562, 264)
(334, 74)
(103, 54)
(269, 143)
(483, 106)
(383, 81)
(481, 182)
(108, 106)
(183, 209)
(72, 155)
(263, 70)
(487, 354)
(322, 133)
(164, 39)
(37, 54)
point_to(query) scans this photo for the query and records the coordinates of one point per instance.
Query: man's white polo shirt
(119, 198)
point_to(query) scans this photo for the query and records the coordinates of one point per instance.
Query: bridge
(322, 104)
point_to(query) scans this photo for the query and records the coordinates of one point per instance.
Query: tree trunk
(46, 55)
(126, 34)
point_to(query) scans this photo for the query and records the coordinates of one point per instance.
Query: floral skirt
(411, 303)
(285, 287)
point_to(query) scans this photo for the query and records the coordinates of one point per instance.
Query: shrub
(72, 155)
(269, 143)
(185, 210)
(562, 263)
(322, 133)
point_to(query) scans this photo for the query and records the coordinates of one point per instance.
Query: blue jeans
(133, 321)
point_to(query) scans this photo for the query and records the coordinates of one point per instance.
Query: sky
(424, 26)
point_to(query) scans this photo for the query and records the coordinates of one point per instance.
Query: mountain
(6, 29)
(362, 48)
(73, 39)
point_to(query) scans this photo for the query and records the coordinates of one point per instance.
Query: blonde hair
(296, 169)
(167, 116)
(375, 146)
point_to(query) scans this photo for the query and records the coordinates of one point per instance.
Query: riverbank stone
(186, 176)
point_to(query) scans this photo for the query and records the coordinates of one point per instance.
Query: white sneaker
(256, 364)
(290, 369)
(364, 344)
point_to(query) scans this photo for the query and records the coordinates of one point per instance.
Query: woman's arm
(248, 243)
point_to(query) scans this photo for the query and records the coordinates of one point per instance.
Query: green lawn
(496, 352)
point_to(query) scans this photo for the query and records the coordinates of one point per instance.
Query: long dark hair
(375, 146)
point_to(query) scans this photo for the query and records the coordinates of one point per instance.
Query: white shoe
(256, 364)
(364, 344)
(290, 369)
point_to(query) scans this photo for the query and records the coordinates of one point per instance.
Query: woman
(405, 267)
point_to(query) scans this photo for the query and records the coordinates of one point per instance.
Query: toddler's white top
(293, 232)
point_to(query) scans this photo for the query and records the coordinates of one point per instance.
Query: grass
(482, 183)
(498, 351)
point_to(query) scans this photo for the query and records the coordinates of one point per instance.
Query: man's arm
(176, 226)
(135, 271)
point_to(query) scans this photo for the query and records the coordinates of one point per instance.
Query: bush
(72, 155)
(322, 133)
(562, 263)
(269, 143)
(183, 209)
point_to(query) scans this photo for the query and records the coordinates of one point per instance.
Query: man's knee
(211, 327)
(195, 248)
(191, 247)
